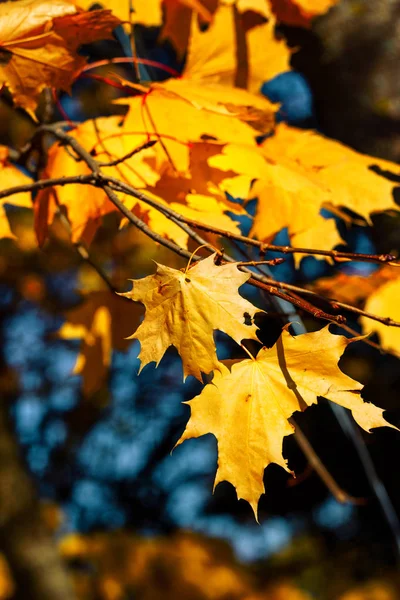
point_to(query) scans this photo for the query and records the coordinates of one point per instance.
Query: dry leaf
(39, 45)
(247, 408)
(184, 308)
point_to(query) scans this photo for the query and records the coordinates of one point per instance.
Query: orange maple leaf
(39, 42)
(85, 204)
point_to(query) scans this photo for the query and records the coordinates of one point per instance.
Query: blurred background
(90, 477)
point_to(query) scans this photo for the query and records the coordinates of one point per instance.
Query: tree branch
(110, 185)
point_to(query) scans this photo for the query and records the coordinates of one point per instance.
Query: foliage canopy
(181, 160)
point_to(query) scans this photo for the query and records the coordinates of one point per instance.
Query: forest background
(92, 503)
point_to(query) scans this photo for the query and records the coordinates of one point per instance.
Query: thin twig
(117, 161)
(254, 263)
(336, 255)
(99, 179)
(302, 304)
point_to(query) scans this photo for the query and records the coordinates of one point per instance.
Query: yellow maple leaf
(345, 173)
(100, 322)
(150, 12)
(239, 48)
(300, 12)
(184, 308)
(11, 177)
(286, 198)
(201, 208)
(39, 42)
(384, 302)
(247, 408)
(177, 123)
(322, 235)
(250, 108)
(146, 12)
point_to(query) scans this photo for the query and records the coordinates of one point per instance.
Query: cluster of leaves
(174, 163)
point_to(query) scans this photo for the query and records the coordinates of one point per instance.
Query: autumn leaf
(353, 289)
(39, 42)
(250, 108)
(177, 194)
(300, 12)
(149, 13)
(100, 322)
(247, 408)
(239, 48)
(362, 183)
(105, 139)
(384, 302)
(184, 308)
(146, 12)
(11, 177)
(286, 198)
(177, 124)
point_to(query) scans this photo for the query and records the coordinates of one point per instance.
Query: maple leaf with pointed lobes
(39, 43)
(362, 183)
(239, 48)
(247, 408)
(177, 123)
(286, 196)
(184, 308)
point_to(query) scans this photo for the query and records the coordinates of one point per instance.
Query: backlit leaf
(184, 308)
(247, 408)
